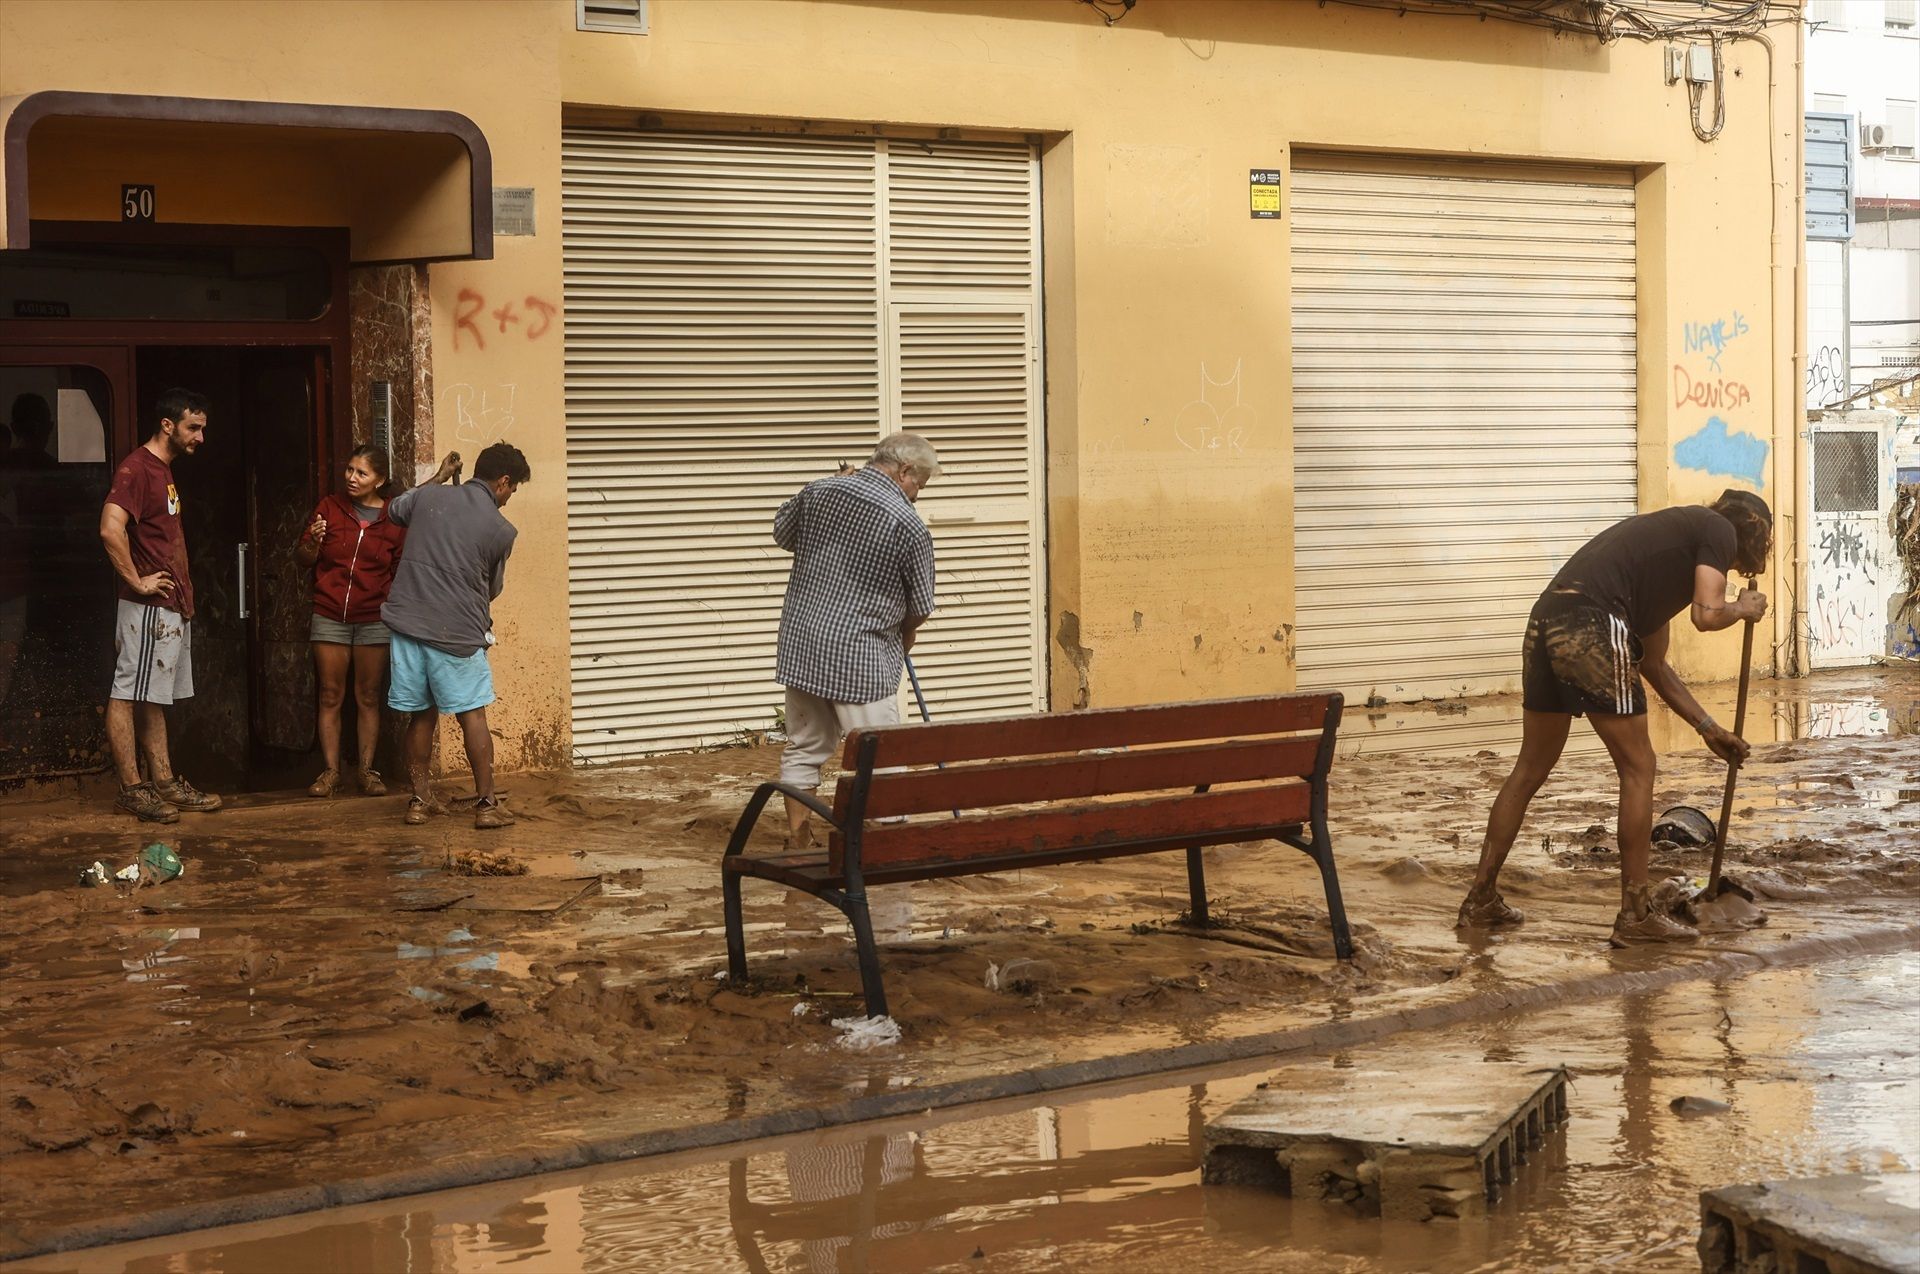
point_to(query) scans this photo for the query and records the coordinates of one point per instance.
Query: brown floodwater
(1819, 1068)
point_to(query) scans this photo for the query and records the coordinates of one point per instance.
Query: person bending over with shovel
(1598, 630)
(861, 586)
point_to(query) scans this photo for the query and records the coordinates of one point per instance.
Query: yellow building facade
(1272, 344)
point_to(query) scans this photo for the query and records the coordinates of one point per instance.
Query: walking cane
(919, 697)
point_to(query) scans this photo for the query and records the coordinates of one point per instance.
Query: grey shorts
(152, 654)
(334, 633)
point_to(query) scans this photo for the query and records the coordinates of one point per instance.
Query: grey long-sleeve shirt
(454, 565)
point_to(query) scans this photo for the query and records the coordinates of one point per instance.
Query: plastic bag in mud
(858, 1034)
(158, 863)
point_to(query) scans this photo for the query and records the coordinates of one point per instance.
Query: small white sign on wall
(512, 210)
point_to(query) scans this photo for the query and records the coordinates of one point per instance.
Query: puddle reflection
(1816, 1067)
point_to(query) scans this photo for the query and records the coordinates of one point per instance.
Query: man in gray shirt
(440, 612)
(861, 586)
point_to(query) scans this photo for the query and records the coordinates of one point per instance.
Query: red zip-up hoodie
(357, 562)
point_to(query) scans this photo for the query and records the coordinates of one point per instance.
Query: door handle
(241, 550)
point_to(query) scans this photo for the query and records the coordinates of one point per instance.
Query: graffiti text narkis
(1717, 446)
(1713, 338)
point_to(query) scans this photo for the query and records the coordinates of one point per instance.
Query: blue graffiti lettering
(1717, 450)
(1713, 338)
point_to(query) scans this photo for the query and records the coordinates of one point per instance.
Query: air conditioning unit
(1875, 137)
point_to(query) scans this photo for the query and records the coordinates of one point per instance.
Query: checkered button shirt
(862, 566)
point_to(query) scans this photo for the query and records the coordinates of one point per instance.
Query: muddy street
(324, 997)
(1786, 1072)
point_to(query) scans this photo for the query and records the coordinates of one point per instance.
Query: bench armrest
(761, 795)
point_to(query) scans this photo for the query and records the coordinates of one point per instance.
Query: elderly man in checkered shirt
(861, 586)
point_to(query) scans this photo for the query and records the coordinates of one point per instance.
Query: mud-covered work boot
(1486, 912)
(325, 784)
(489, 813)
(1640, 921)
(371, 784)
(141, 801)
(183, 795)
(420, 810)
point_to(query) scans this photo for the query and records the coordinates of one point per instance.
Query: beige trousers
(815, 727)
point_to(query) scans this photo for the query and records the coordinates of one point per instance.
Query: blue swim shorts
(425, 678)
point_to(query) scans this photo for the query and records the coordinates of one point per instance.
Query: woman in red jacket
(353, 550)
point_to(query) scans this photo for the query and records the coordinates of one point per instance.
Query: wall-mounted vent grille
(625, 17)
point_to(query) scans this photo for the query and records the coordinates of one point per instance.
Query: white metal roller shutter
(1464, 409)
(962, 250)
(727, 339)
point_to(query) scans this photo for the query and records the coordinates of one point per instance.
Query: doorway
(96, 321)
(244, 500)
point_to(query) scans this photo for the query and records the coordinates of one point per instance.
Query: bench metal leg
(870, 985)
(1196, 887)
(736, 933)
(1336, 910)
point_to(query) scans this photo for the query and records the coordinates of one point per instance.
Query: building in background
(1863, 284)
(1269, 344)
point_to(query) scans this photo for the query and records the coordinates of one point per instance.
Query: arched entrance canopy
(409, 185)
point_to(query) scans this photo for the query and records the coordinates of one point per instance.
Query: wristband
(1705, 724)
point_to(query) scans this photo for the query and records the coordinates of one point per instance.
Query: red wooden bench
(1037, 790)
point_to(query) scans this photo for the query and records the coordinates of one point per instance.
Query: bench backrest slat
(1008, 738)
(1190, 819)
(1084, 775)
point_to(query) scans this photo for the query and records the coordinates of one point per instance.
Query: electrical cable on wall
(1606, 20)
(1105, 8)
(1695, 92)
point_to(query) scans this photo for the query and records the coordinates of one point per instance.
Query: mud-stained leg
(1633, 759)
(1543, 735)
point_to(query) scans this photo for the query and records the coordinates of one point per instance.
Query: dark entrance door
(244, 499)
(64, 416)
(95, 321)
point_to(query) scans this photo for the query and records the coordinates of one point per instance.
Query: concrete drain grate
(1444, 1143)
(1855, 1224)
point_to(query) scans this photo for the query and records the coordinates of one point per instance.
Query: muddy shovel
(1716, 883)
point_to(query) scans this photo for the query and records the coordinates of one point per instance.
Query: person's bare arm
(1711, 611)
(1666, 683)
(113, 538)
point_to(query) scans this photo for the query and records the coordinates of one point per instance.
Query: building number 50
(136, 203)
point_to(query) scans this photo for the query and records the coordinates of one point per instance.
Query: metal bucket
(1685, 826)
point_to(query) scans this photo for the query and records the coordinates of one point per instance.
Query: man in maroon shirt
(153, 623)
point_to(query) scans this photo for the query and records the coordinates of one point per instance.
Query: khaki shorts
(815, 727)
(152, 654)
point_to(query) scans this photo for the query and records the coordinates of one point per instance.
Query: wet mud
(1786, 1073)
(324, 995)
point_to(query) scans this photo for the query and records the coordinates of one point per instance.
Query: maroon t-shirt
(143, 486)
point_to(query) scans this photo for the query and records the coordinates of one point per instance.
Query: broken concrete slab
(1442, 1142)
(1859, 1223)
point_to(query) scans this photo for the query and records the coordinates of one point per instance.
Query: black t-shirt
(1642, 568)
